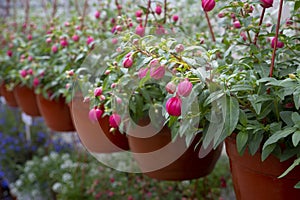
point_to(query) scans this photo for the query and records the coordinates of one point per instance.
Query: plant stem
(276, 38)
(84, 13)
(248, 34)
(44, 6)
(54, 9)
(259, 25)
(118, 6)
(165, 10)
(27, 8)
(210, 27)
(147, 14)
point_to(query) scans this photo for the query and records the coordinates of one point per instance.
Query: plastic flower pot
(56, 114)
(8, 96)
(254, 179)
(160, 158)
(95, 136)
(26, 99)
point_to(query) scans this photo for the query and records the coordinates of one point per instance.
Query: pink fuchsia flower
(75, 38)
(97, 14)
(160, 30)
(89, 40)
(266, 3)
(279, 43)
(208, 5)
(140, 30)
(98, 91)
(179, 48)
(119, 28)
(139, 13)
(127, 62)
(154, 63)
(67, 24)
(175, 18)
(113, 85)
(221, 15)
(30, 71)
(64, 43)
(23, 73)
(114, 40)
(30, 58)
(173, 106)
(171, 87)
(9, 53)
(29, 37)
(54, 49)
(70, 72)
(95, 114)
(115, 120)
(48, 40)
(243, 35)
(184, 88)
(289, 21)
(158, 9)
(157, 72)
(237, 24)
(143, 72)
(36, 82)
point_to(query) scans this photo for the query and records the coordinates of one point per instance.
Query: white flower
(66, 177)
(57, 187)
(45, 159)
(65, 156)
(19, 183)
(34, 192)
(67, 164)
(53, 155)
(31, 176)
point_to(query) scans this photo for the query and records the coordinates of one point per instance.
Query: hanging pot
(160, 158)
(8, 96)
(56, 114)
(26, 99)
(254, 179)
(95, 136)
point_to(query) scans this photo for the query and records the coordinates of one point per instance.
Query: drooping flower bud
(48, 40)
(115, 120)
(97, 91)
(171, 87)
(237, 24)
(140, 30)
(158, 9)
(154, 63)
(97, 14)
(208, 5)
(9, 53)
(175, 18)
(30, 71)
(179, 48)
(157, 72)
(127, 62)
(89, 40)
(29, 37)
(184, 88)
(221, 15)
(279, 43)
(54, 49)
(36, 82)
(173, 106)
(64, 43)
(266, 3)
(139, 13)
(95, 114)
(23, 73)
(75, 38)
(143, 72)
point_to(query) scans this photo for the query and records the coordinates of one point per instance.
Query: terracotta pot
(162, 159)
(95, 136)
(9, 96)
(26, 100)
(254, 179)
(56, 114)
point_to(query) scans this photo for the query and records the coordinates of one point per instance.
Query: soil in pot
(56, 114)
(26, 99)
(254, 179)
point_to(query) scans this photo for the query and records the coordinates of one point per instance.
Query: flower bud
(97, 14)
(279, 43)
(244, 36)
(70, 72)
(48, 40)
(54, 49)
(158, 10)
(64, 43)
(127, 63)
(30, 71)
(97, 91)
(67, 24)
(9, 53)
(140, 30)
(292, 76)
(139, 13)
(36, 82)
(143, 72)
(114, 120)
(175, 18)
(208, 5)
(184, 88)
(75, 38)
(179, 48)
(95, 114)
(221, 15)
(154, 63)
(23, 73)
(29, 37)
(114, 40)
(237, 24)
(173, 106)
(266, 3)
(171, 87)
(89, 40)
(157, 72)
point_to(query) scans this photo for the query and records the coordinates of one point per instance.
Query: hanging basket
(26, 99)
(95, 136)
(254, 179)
(162, 159)
(8, 96)
(56, 114)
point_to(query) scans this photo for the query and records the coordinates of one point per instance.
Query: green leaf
(231, 114)
(279, 135)
(241, 141)
(297, 186)
(296, 162)
(267, 151)
(255, 142)
(296, 97)
(296, 117)
(213, 97)
(296, 138)
(296, 6)
(243, 118)
(286, 116)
